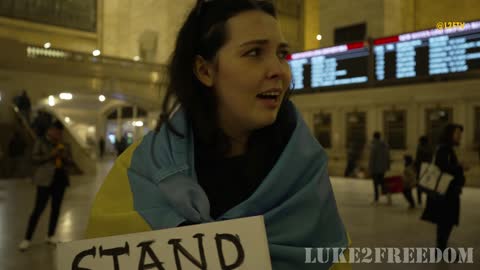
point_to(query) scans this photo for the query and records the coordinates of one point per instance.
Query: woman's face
(251, 74)
(55, 134)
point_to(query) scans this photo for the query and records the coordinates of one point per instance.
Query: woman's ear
(203, 70)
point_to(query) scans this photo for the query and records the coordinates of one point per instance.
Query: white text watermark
(388, 255)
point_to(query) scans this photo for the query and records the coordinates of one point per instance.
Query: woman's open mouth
(271, 98)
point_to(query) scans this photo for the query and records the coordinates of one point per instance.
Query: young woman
(230, 145)
(445, 210)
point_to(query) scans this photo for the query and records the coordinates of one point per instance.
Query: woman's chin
(265, 120)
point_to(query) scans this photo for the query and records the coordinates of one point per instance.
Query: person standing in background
(424, 154)
(51, 156)
(378, 165)
(409, 180)
(444, 210)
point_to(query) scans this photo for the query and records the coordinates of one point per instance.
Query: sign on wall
(76, 14)
(233, 244)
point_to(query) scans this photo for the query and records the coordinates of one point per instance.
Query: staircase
(84, 161)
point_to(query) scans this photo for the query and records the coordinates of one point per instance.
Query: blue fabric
(296, 198)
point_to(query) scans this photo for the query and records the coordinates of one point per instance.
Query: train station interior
(403, 69)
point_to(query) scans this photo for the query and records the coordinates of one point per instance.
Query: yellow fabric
(112, 212)
(344, 266)
(58, 159)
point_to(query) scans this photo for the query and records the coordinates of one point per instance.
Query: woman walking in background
(444, 210)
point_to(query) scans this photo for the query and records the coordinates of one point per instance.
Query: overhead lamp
(137, 123)
(66, 96)
(51, 101)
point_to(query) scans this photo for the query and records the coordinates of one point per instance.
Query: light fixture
(66, 96)
(136, 58)
(96, 52)
(111, 138)
(319, 37)
(67, 120)
(51, 101)
(137, 123)
(101, 98)
(47, 45)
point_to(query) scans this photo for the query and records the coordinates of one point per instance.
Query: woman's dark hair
(57, 125)
(447, 134)
(203, 33)
(423, 140)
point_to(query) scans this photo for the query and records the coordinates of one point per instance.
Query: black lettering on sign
(235, 240)
(115, 252)
(147, 249)
(76, 261)
(178, 247)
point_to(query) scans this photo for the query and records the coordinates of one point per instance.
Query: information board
(428, 53)
(329, 67)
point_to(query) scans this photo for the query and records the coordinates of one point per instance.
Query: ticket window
(356, 129)
(436, 120)
(395, 129)
(322, 129)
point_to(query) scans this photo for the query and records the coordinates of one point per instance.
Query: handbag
(432, 179)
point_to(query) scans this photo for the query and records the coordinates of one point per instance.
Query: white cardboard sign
(227, 245)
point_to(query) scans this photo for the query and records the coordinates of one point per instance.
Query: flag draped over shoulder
(153, 186)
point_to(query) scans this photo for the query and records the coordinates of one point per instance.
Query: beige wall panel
(39, 34)
(339, 13)
(126, 20)
(429, 12)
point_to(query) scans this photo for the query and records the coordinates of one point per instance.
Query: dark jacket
(446, 209)
(424, 154)
(45, 162)
(379, 157)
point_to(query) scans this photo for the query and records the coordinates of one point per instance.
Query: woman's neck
(238, 146)
(237, 136)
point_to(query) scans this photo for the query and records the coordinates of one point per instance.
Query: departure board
(330, 67)
(428, 53)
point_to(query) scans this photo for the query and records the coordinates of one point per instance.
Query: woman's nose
(277, 68)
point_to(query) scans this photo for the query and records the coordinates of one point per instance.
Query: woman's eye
(283, 54)
(253, 52)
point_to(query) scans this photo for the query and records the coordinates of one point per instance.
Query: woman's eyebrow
(263, 42)
(284, 45)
